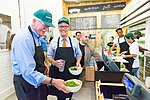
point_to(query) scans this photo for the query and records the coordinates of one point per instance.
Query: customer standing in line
(87, 53)
(27, 60)
(63, 48)
(87, 50)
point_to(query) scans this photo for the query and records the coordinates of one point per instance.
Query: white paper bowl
(75, 72)
(76, 88)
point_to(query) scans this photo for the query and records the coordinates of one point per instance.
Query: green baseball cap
(137, 32)
(44, 16)
(63, 19)
(130, 34)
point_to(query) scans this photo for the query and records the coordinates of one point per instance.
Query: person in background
(111, 41)
(87, 50)
(44, 47)
(63, 49)
(10, 41)
(43, 43)
(121, 41)
(5, 33)
(137, 35)
(27, 60)
(132, 55)
(78, 35)
(87, 53)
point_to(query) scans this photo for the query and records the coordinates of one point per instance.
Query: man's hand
(78, 64)
(60, 85)
(58, 63)
(124, 56)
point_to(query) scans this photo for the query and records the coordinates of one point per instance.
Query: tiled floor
(87, 92)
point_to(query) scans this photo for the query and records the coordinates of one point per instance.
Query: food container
(75, 70)
(74, 85)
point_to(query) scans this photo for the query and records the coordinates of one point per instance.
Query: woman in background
(132, 55)
(111, 41)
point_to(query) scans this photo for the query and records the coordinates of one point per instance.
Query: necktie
(64, 43)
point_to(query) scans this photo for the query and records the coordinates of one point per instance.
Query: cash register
(135, 89)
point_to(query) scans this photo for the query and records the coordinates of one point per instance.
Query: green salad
(73, 68)
(71, 84)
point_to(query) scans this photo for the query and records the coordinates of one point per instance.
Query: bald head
(84, 37)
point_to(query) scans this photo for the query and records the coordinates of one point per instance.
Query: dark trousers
(26, 91)
(63, 98)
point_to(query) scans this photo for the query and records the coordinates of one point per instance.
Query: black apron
(67, 54)
(40, 67)
(123, 46)
(26, 91)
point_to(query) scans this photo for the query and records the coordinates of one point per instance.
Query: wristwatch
(50, 82)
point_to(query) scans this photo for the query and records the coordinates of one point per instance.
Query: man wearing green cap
(27, 60)
(63, 48)
(132, 54)
(138, 34)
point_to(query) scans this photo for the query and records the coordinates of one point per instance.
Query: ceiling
(78, 1)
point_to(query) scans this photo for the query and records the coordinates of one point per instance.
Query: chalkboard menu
(110, 21)
(96, 8)
(81, 23)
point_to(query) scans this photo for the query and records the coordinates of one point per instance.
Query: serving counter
(109, 90)
(108, 84)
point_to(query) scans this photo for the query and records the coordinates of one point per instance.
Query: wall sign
(81, 23)
(92, 36)
(110, 21)
(96, 8)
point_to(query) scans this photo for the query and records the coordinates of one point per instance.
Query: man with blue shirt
(27, 60)
(62, 49)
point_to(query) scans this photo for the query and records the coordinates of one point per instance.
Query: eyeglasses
(45, 27)
(63, 27)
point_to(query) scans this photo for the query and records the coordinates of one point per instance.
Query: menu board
(110, 21)
(81, 23)
(96, 8)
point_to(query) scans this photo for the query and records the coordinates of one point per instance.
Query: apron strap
(69, 40)
(124, 39)
(32, 36)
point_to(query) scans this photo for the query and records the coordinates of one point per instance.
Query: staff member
(27, 59)
(63, 48)
(121, 41)
(132, 55)
(137, 35)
